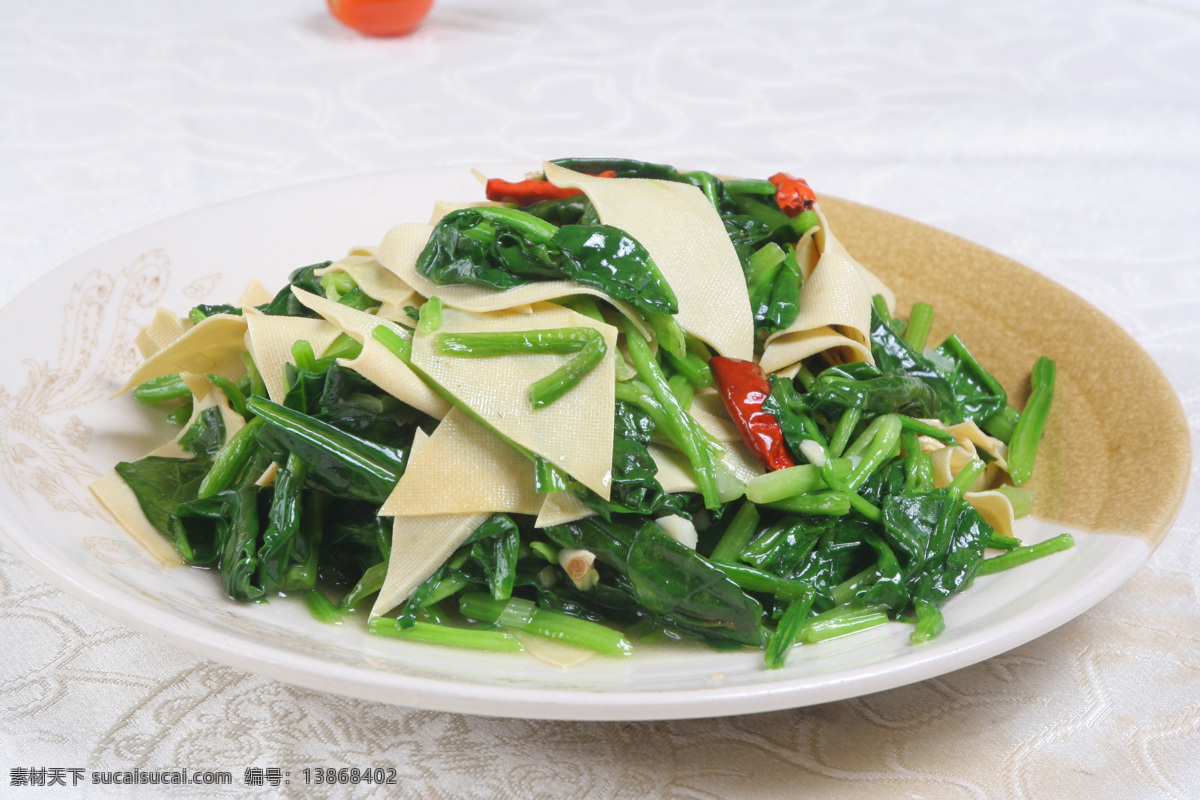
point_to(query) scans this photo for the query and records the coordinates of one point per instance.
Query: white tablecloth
(1064, 135)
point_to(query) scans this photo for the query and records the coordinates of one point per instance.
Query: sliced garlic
(680, 529)
(579, 566)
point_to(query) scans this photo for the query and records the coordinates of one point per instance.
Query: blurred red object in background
(381, 17)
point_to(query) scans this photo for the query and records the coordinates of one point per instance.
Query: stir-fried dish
(612, 402)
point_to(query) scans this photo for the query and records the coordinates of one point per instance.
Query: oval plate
(62, 431)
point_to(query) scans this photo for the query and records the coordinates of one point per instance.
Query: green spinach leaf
(161, 485)
(285, 304)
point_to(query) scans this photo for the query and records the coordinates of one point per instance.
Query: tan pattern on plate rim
(1116, 453)
(103, 312)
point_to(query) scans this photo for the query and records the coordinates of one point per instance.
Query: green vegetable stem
(447, 636)
(1023, 555)
(555, 341)
(677, 422)
(841, 621)
(545, 391)
(375, 470)
(1022, 450)
(738, 534)
(166, 387)
(523, 615)
(231, 460)
(919, 323)
(789, 630)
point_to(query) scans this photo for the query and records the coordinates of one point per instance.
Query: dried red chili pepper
(743, 387)
(533, 190)
(525, 193)
(793, 195)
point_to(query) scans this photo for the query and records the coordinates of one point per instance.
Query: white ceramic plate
(61, 431)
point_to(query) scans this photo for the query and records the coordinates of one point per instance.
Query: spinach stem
(930, 622)
(370, 583)
(1002, 423)
(832, 504)
(257, 385)
(399, 346)
(231, 459)
(875, 445)
(545, 391)
(919, 322)
(667, 333)
(1023, 555)
(918, 465)
(434, 633)
(806, 219)
(739, 533)
(959, 351)
(844, 592)
(356, 453)
(303, 355)
(523, 615)
(966, 477)
(583, 304)
(749, 186)
(756, 580)
(709, 184)
(535, 229)
(451, 584)
(180, 415)
(402, 350)
(788, 630)
(925, 429)
(237, 400)
(683, 390)
(337, 284)
(844, 430)
(692, 367)
(554, 341)
(771, 487)
(680, 423)
(164, 387)
(321, 608)
(431, 316)
(344, 346)
(1022, 450)
(840, 621)
(636, 393)
(1000, 542)
(1020, 498)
